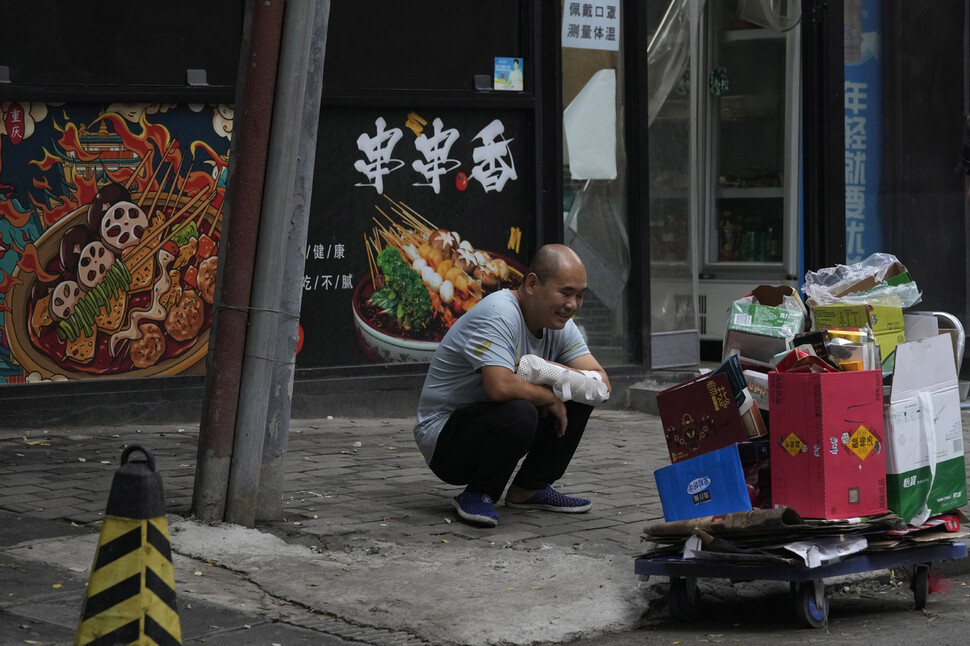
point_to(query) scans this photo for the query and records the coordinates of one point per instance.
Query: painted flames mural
(109, 238)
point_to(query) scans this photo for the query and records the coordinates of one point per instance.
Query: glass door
(595, 206)
(674, 70)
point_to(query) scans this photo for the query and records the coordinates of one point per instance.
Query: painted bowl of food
(107, 291)
(420, 296)
(382, 338)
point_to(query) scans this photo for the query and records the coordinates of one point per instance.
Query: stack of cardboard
(915, 467)
(862, 402)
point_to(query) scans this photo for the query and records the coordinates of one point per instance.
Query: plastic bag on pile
(835, 284)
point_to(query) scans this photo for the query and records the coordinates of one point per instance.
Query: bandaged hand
(585, 386)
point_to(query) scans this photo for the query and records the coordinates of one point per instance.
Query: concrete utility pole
(247, 164)
(315, 16)
(256, 474)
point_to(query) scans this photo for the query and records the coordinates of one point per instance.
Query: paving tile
(338, 493)
(15, 492)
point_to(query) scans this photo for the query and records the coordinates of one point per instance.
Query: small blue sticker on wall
(508, 73)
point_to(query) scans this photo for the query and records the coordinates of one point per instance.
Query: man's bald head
(553, 260)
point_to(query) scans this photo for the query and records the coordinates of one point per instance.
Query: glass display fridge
(724, 158)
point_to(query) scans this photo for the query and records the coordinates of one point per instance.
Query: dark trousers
(481, 444)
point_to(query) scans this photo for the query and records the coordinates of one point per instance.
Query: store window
(595, 208)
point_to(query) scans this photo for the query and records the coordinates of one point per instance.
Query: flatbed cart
(807, 586)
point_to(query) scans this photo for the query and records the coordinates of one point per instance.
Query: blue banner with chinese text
(863, 126)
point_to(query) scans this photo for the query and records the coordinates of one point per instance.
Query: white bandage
(585, 386)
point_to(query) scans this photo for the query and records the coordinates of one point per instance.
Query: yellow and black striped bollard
(131, 592)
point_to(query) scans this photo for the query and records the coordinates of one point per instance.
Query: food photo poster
(416, 214)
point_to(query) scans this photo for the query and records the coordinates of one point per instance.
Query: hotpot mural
(109, 237)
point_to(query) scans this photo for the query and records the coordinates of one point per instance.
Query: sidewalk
(369, 549)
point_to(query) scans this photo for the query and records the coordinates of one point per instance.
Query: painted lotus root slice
(95, 260)
(123, 225)
(64, 298)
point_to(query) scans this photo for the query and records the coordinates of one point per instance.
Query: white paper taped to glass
(584, 386)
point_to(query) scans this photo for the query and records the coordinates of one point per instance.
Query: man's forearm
(506, 385)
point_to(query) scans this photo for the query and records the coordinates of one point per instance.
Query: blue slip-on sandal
(476, 508)
(550, 499)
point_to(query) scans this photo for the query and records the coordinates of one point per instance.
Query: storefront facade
(506, 126)
(448, 119)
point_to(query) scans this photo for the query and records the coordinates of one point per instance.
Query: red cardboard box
(827, 435)
(699, 416)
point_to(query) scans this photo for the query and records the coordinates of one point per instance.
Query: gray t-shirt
(493, 333)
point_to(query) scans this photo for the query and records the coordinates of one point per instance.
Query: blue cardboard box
(708, 484)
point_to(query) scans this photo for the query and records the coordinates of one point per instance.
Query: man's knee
(517, 425)
(522, 411)
(578, 413)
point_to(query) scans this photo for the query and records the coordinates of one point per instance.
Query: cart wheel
(684, 598)
(807, 606)
(920, 584)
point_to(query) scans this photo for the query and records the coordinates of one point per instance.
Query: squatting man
(513, 378)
